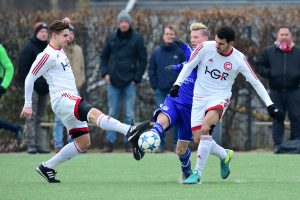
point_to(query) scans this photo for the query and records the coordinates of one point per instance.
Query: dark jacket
(281, 68)
(124, 58)
(161, 57)
(28, 55)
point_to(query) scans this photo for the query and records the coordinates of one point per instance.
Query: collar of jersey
(226, 55)
(54, 47)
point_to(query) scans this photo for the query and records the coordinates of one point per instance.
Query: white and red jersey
(55, 67)
(216, 72)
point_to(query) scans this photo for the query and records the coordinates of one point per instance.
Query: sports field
(118, 177)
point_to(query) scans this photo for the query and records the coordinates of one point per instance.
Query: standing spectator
(75, 56)
(6, 75)
(35, 45)
(280, 64)
(162, 80)
(123, 63)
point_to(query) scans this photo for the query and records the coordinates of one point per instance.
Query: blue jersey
(179, 109)
(186, 90)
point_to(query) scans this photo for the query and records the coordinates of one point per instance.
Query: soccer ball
(149, 142)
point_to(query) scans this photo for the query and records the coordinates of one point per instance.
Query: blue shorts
(179, 115)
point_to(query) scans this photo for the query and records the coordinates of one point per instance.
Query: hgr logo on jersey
(67, 64)
(216, 74)
(227, 66)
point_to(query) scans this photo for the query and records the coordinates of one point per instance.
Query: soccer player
(218, 65)
(177, 111)
(54, 66)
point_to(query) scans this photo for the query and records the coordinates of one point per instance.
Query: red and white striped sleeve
(251, 77)
(195, 59)
(42, 63)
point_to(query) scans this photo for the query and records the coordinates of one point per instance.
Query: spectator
(75, 56)
(162, 80)
(280, 64)
(35, 45)
(123, 63)
(6, 75)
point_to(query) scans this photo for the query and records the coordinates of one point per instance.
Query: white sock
(67, 152)
(110, 124)
(218, 151)
(203, 152)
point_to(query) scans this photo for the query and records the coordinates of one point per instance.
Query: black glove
(174, 91)
(2, 90)
(178, 41)
(169, 67)
(275, 113)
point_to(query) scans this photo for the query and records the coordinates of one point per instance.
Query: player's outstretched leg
(47, 173)
(194, 178)
(225, 167)
(133, 136)
(136, 130)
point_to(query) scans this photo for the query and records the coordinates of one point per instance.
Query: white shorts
(66, 108)
(204, 104)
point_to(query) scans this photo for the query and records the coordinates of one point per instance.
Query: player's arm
(39, 67)
(250, 76)
(175, 68)
(184, 47)
(196, 57)
(187, 51)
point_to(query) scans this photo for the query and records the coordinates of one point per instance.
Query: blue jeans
(115, 95)
(160, 98)
(58, 133)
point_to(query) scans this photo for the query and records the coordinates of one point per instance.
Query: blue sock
(157, 128)
(185, 161)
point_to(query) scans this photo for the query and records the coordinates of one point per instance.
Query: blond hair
(197, 26)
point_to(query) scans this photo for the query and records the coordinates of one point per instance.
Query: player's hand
(169, 67)
(174, 91)
(176, 68)
(2, 90)
(178, 41)
(66, 20)
(275, 113)
(26, 112)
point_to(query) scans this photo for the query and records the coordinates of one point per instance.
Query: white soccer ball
(149, 142)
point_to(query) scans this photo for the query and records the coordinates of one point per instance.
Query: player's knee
(83, 110)
(205, 129)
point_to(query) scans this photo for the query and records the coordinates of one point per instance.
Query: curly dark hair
(57, 26)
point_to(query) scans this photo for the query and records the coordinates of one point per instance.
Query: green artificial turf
(118, 176)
